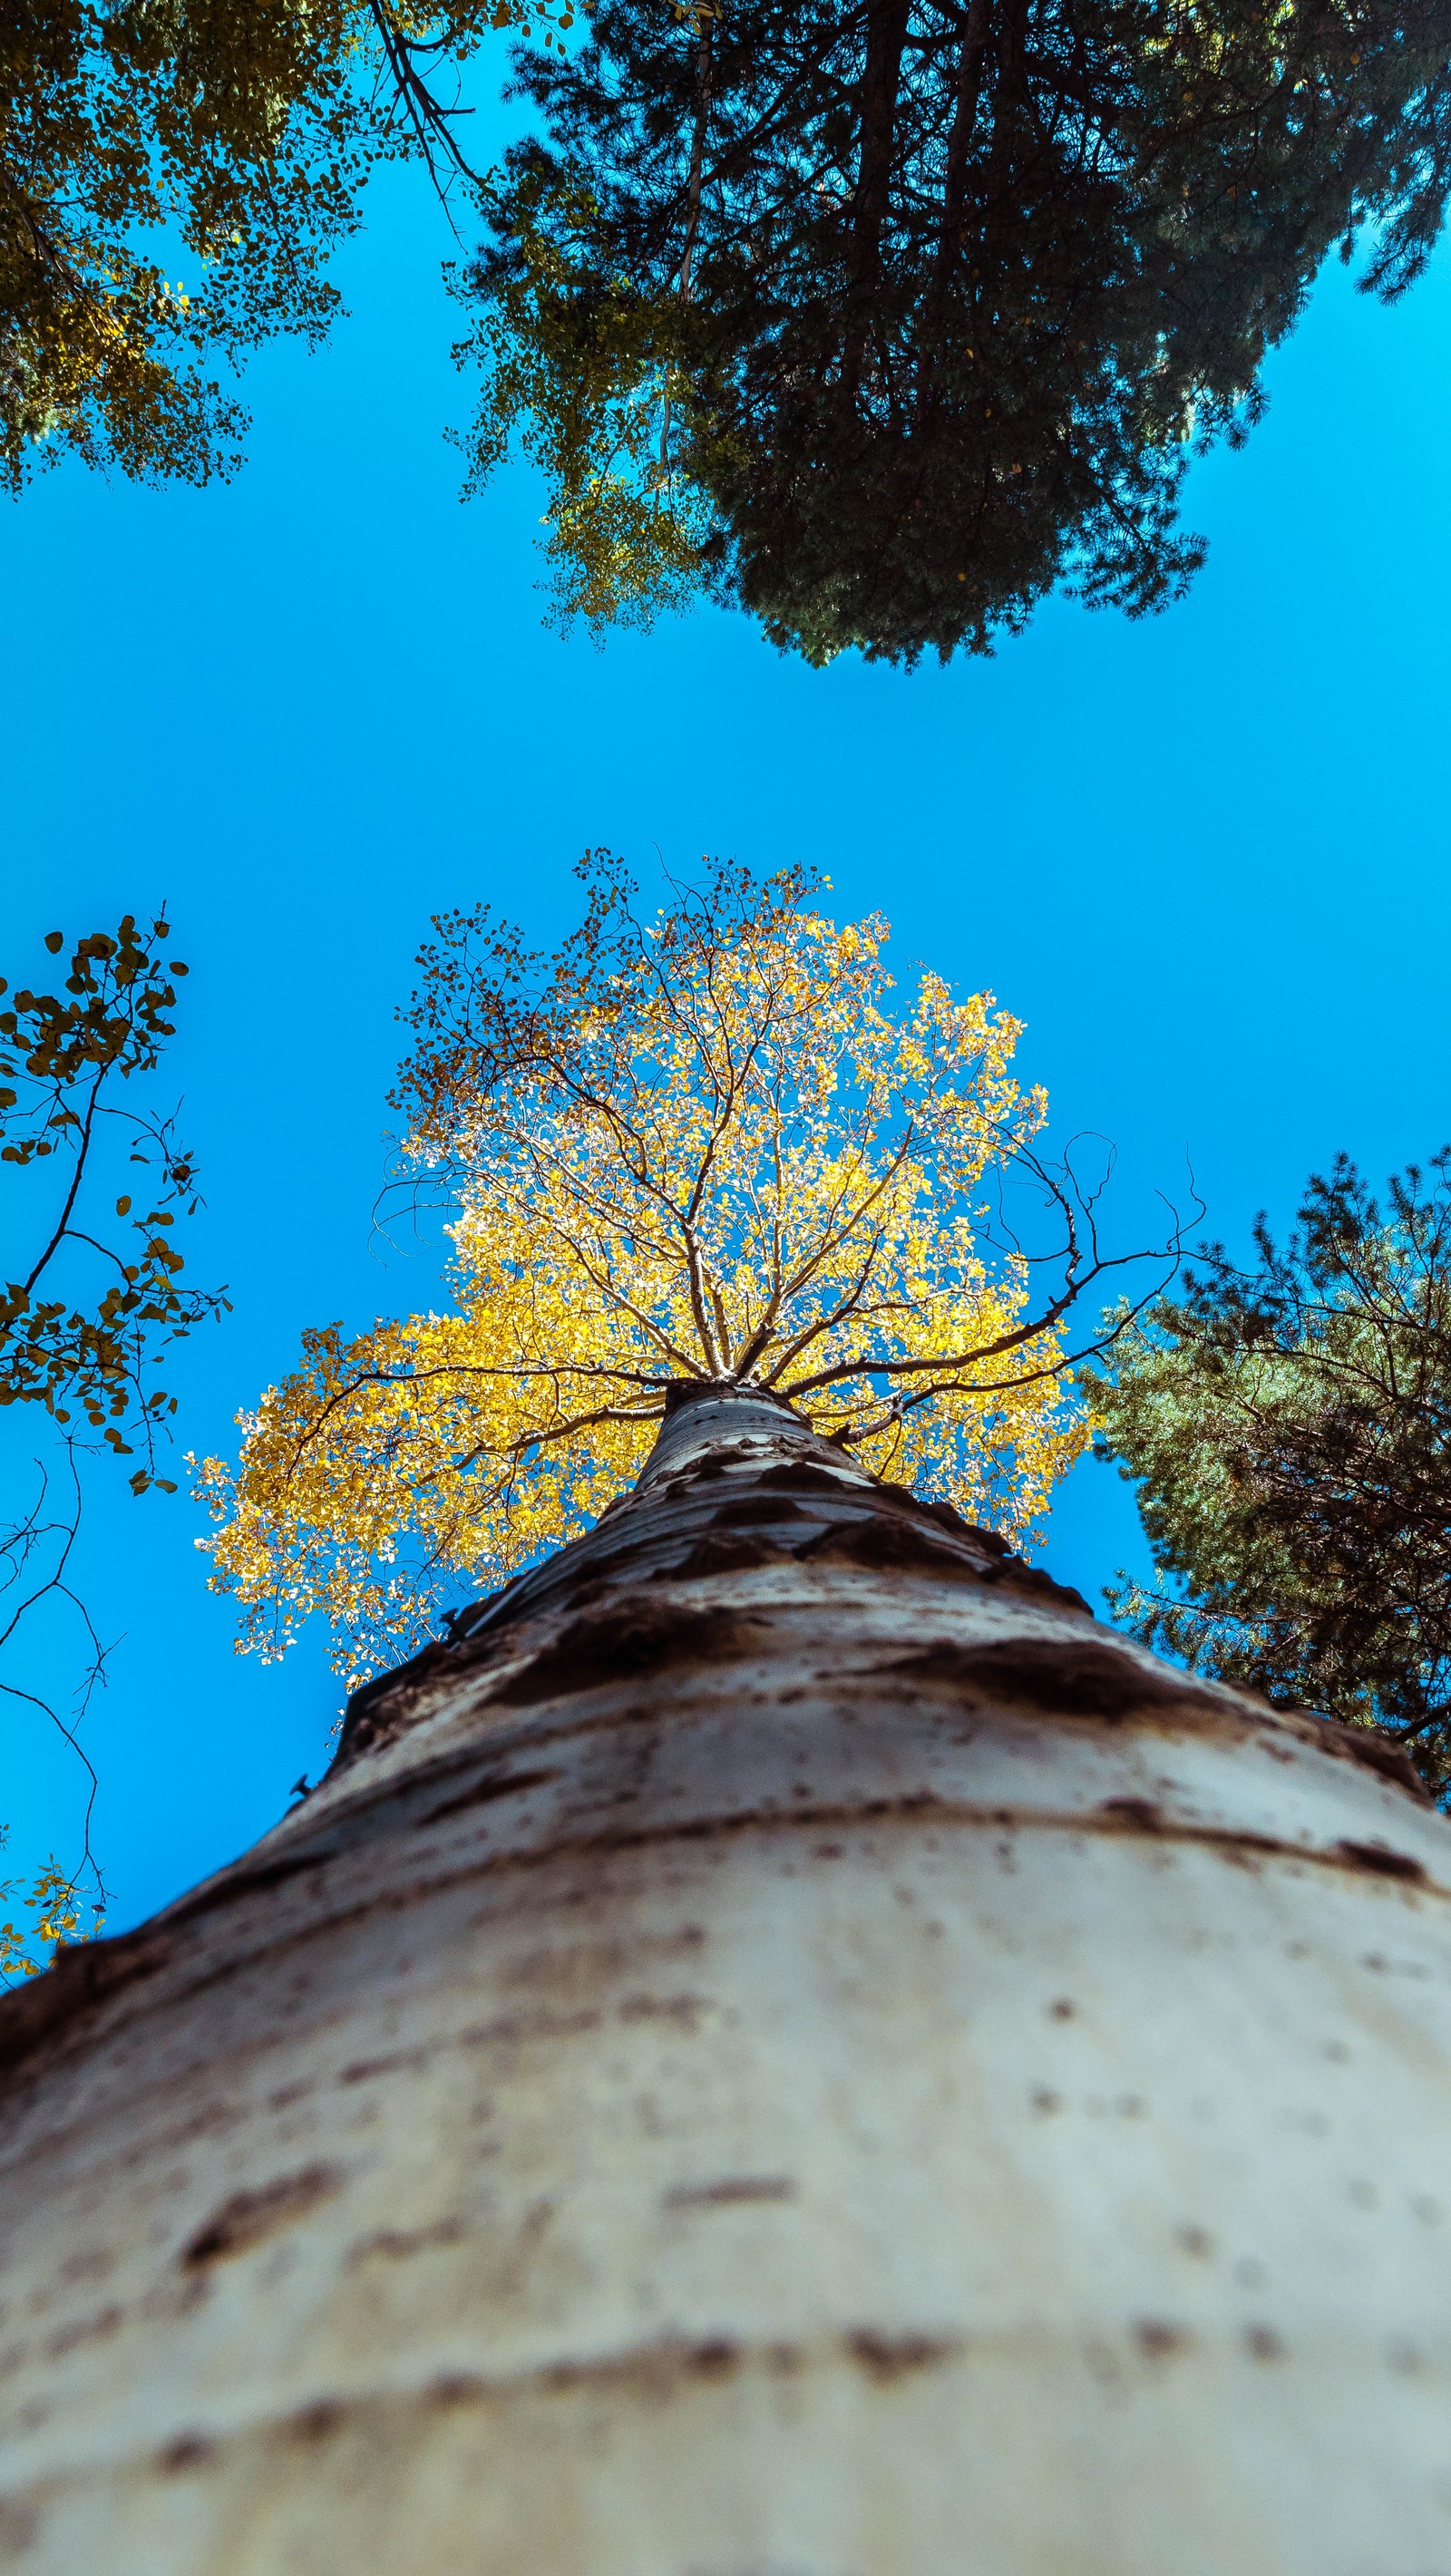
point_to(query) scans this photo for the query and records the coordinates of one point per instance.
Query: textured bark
(782, 2051)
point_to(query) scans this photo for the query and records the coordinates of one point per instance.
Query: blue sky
(1204, 858)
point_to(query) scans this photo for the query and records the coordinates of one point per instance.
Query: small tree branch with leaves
(97, 1301)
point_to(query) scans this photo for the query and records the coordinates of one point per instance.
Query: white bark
(786, 2052)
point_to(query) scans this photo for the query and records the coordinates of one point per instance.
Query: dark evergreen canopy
(943, 294)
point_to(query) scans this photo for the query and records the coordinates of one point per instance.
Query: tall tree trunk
(705, 26)
(783, 2047)
(971, 62)
(695, 175)
(881, 79)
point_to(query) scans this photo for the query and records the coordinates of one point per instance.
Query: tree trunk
(881, 79)
(971, 63)
(783, 2048)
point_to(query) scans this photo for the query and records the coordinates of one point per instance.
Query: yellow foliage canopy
(697, 1148)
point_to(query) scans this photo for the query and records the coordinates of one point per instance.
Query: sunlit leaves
(231, 138)
(50, 1914)
(701, 1147)
(597, 382)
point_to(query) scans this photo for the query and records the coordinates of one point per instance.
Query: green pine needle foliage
(1289, 1430)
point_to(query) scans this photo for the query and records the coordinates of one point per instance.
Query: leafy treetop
(698, 1148)
(1289, 1427)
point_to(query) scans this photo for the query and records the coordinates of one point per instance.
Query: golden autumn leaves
(702, 1147)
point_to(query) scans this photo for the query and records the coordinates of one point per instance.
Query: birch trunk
(783, 2051)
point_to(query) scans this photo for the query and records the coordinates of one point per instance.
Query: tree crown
(700, 1148)
(233, 137)
(886, 319)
